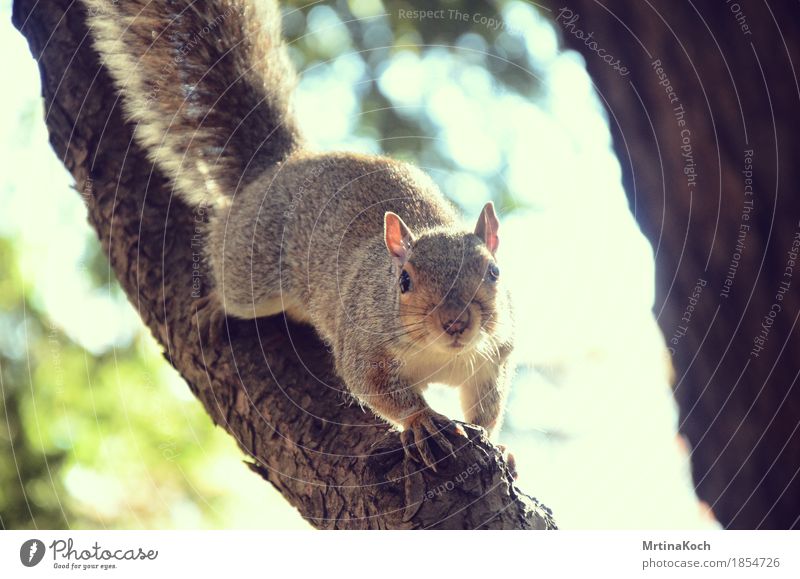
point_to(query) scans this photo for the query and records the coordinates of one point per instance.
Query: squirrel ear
(487, 227)
(398, 237)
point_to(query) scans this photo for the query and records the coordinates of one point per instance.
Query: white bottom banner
(353, 555)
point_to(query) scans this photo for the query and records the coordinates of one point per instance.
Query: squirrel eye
(493, 272)
(405, 282)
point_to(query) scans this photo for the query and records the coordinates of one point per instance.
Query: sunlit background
(97, 430)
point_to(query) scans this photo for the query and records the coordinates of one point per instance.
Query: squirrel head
(448, 283)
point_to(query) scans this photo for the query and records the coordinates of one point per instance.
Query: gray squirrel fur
(324, 237)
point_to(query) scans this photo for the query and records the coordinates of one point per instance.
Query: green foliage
(102, 440)
(402, 69)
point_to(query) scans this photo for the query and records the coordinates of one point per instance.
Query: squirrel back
(208, 85)
(309, 223)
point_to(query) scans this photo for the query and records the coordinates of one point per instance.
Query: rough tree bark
(730, 70)
(270, 384)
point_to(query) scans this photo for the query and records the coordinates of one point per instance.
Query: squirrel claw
(407, 438)
(420, 431)
(511, 461)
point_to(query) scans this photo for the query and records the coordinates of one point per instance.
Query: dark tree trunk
(729, 67)
(340, 467)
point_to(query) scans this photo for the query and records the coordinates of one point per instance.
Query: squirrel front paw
(422, 429)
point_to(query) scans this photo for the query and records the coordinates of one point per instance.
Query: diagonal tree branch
(268, 382)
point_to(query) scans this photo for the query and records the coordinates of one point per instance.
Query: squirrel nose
(454, 320)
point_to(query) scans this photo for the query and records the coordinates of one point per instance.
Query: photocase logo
(31, 552)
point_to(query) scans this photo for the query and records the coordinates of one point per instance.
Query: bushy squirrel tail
(207, 83)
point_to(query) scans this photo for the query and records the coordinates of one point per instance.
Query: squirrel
(366, 249)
